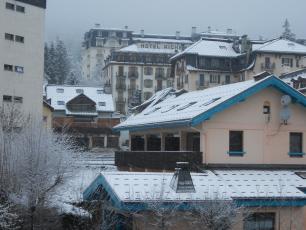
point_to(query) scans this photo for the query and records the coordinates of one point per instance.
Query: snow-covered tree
(8, 219)
(287, 31)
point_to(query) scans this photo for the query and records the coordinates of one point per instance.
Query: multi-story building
(85, 112)
(278, 56)
(136, 72)
(296, 79)
(98, 45)
(22, 54)
(210, 62)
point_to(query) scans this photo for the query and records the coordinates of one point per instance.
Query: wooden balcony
(157, 160)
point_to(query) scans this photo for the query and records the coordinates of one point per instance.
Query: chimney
(97, 25)
(177, 35)
(229, 31)
(181, 181)
(209, 29)
(126, 27)
(142, 33)
(193, 30)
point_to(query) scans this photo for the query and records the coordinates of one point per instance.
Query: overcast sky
(70, 19)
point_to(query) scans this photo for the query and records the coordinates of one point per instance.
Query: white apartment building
(97, 46)
(22, 54)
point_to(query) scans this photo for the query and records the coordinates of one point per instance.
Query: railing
(157, 159)
(121, 85)
(133, 74)
(267, 66)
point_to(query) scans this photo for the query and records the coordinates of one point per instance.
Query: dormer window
(79, 91)
(60, 90)
(102, 103)
(60, 103)
(99, 91)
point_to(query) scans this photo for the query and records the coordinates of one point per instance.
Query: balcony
(133, 75)
(160, 76)
(205, 85)
(120, 86)
(158, 160)
(267, 66)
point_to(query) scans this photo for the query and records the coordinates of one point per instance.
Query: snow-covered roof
(189, 109)
(294, 75)
(163, 40)
(210, 185)
(136, 49)
(61, 94)
(280, 46)
(213, 48)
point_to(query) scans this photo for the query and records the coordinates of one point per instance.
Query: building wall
(29, 55)
(264, 143)
(276, 66)
(285, 218)
(47, 117)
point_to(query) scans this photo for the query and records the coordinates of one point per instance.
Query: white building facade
(22, 54)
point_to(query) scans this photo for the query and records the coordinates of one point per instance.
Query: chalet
(86, 112)
(259, 122)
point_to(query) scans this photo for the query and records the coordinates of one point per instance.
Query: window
(19, 39)
(267, 62)
(186, 79)
(60, 90)
(186, 106)
(148, 70)
(60, 103)
(297, 63)
(18, 99)
(287, 62)
(79, 91)
(236, 141)
(147, 95)
(102, 103)
(9, 37)
(214, 78)
(202, 79)
(19, 69)
(148, 83)
(8, 67)
(99, 91)
(152, 110)
(296, 143)
(120, 70)
(260, 221)
(210, 102)
(20, 9)
(7, 98)
(227, 79)
(10, 6)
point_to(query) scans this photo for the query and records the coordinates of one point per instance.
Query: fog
(70, 19)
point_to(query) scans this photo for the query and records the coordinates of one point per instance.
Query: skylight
(152, 111)
(60, 103)
(60, 90)
(290, 44)
(223, 47)
(102, 103)
(99, 91)
(210, 101)
(186, 106)
(170, 108)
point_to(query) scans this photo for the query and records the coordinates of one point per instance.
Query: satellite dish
(285, 100)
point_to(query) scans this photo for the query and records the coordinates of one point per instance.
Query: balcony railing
(157, 160)
(267, 66)
(120, 86)
(159, 76)
(133, 75)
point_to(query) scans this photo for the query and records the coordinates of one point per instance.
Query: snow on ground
(84, 169)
